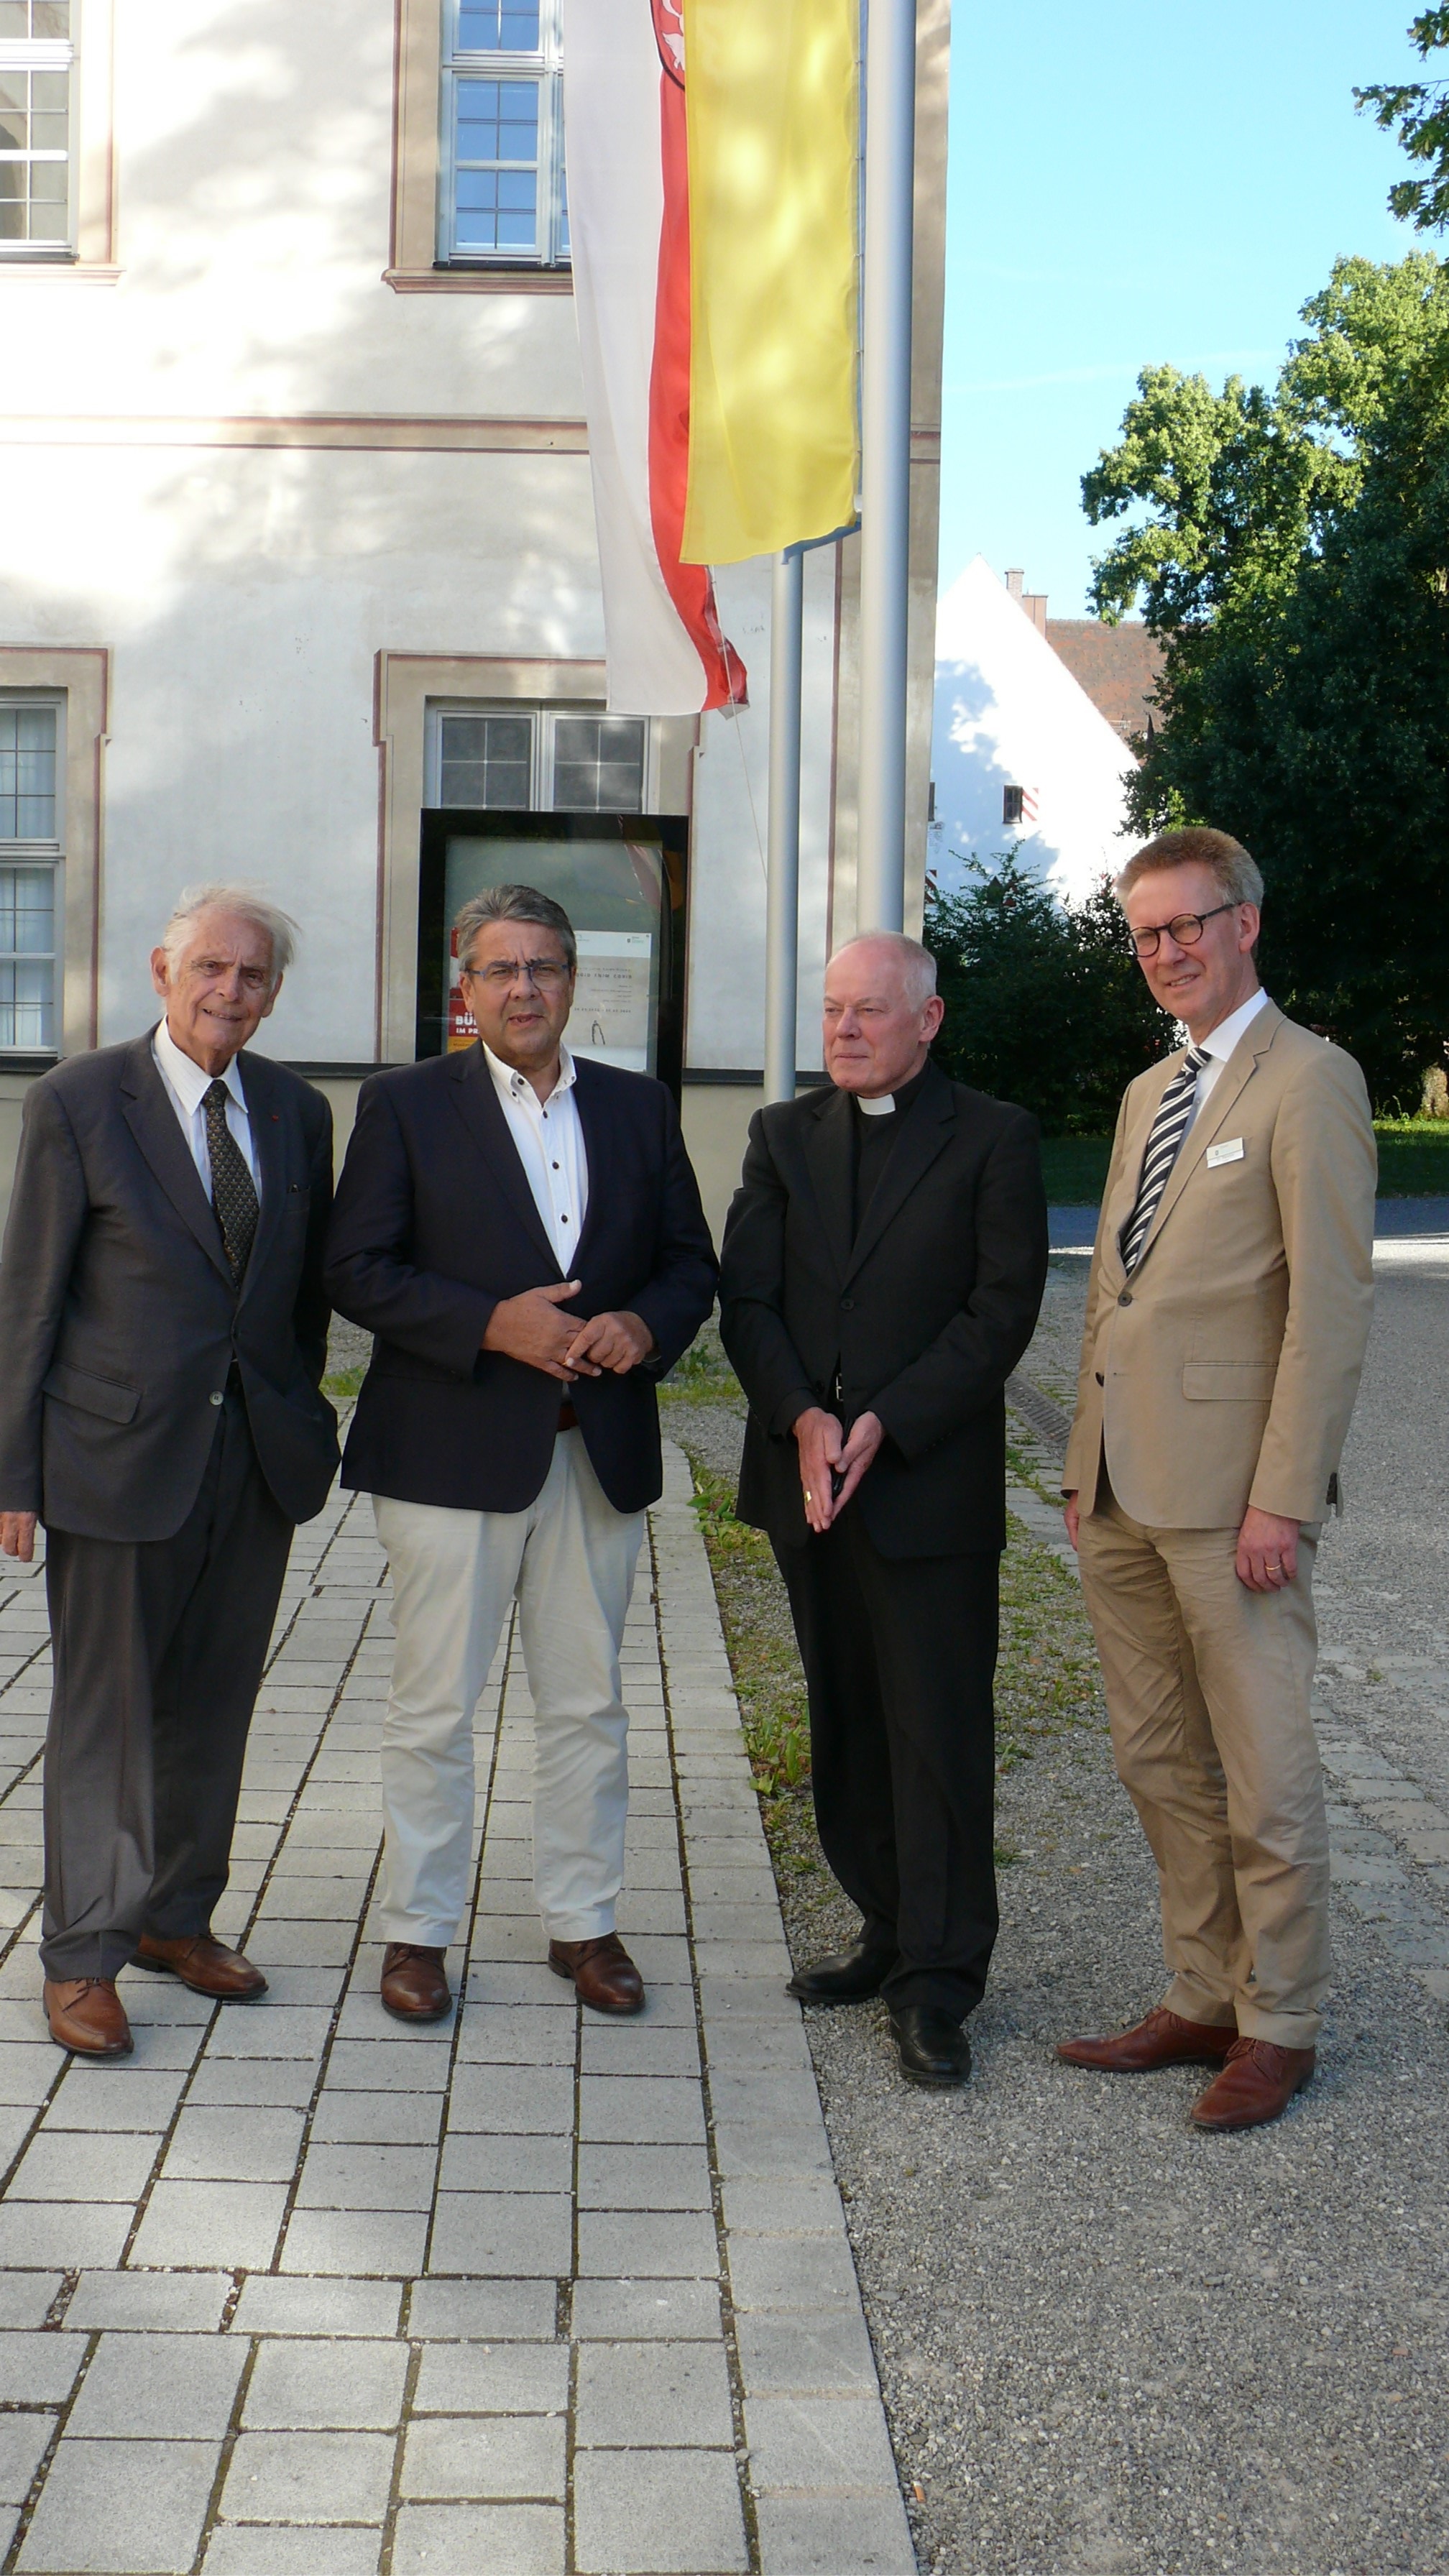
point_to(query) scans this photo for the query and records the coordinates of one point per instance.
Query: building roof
(1116, 665)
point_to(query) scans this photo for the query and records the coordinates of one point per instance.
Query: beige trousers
(1208, 1690)
(568, 1562)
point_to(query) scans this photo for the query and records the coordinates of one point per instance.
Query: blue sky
(1132, 183)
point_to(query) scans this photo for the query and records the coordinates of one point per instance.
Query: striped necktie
(1168, 1130)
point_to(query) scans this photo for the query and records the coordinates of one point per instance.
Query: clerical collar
(893, 1100)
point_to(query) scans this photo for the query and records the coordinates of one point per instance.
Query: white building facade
(298, 538)
(1021, 758)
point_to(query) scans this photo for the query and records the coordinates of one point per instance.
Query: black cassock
(895, 1266)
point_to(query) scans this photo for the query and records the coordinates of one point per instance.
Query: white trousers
(568, 1562)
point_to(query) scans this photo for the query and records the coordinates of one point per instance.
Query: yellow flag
(772, 102)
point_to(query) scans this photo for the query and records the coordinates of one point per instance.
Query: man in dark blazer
(164, 1330)
(882, 1269)
(522, 1232)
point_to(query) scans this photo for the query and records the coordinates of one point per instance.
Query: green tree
(1045, 1005)
(1290, 548)
(1235, 489)
(1420, 110)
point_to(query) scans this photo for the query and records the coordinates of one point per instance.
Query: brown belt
(568, 1420)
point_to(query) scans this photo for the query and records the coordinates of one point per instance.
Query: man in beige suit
(1227, 1313)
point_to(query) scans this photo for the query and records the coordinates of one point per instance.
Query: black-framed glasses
(546, 972)
(1186, 930)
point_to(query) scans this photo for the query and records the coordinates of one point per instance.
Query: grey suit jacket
(118, 1317)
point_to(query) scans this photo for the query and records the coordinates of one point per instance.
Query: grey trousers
(158, 1651)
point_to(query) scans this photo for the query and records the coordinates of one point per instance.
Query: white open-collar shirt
(550, 1142)
(186, 1087)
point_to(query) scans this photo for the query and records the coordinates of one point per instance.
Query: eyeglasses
(546, 972)
(1186, 930)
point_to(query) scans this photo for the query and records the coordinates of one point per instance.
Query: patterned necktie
(1168, 1130)
(233, 1193)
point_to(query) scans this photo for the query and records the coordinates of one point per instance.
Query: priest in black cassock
(883, 1265)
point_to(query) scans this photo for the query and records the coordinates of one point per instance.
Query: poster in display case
(622, 880)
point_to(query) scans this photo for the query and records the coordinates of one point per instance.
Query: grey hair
(917, 963)
(247, 903)
(514, 903)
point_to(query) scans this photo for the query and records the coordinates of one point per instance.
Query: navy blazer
(434, 1223)
(119, 1319)
(919, 1319)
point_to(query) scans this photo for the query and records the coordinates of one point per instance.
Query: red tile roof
(1116, 665)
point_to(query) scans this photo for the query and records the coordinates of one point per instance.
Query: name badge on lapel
(1232, 1152)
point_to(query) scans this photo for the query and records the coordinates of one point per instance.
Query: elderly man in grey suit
(164, 1327)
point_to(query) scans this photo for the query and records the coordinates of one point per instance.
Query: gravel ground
(1108, 2344)
(1051, 1362)
(1382, 1583)
(1384, 1586)
(348, 1346)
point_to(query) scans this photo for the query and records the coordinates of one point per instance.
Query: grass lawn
(1413, 1162)
(1075, 1168)
(1413, 1157)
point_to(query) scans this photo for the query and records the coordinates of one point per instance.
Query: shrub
(1045, 1005)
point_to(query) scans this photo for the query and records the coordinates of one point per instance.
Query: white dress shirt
(1219, 1047)
(550, 1141)
(186, 1088)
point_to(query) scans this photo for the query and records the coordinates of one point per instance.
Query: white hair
(245, 903)
(917, 964)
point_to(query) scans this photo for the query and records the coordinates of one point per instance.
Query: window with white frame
(541, 759)
(502, 200)
(30, 744)
(36, 60)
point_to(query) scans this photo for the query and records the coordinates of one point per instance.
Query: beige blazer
(1226, 1372)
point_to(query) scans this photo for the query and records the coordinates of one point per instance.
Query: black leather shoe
(850, 1977)
(932, 2048)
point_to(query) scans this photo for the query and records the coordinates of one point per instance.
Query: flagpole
(890, 161)
(782, 893)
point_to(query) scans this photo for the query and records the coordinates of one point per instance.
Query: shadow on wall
(970, 774)
(247, 590)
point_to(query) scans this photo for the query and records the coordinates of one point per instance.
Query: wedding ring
(809, 1497)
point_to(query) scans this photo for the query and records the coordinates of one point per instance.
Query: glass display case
(622, 880)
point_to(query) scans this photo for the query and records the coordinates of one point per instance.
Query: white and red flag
(624, 122)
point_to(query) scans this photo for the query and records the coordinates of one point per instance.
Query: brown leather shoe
(603, 1973)
(87, 2014)
(1163, 2039)
(205, 1964)
(1257, 2084)
(414, 1982)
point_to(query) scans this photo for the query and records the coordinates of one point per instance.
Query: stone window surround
(80, 673)
(413, 267)
(93, 255)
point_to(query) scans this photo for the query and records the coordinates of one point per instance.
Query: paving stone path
(295, 2292)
